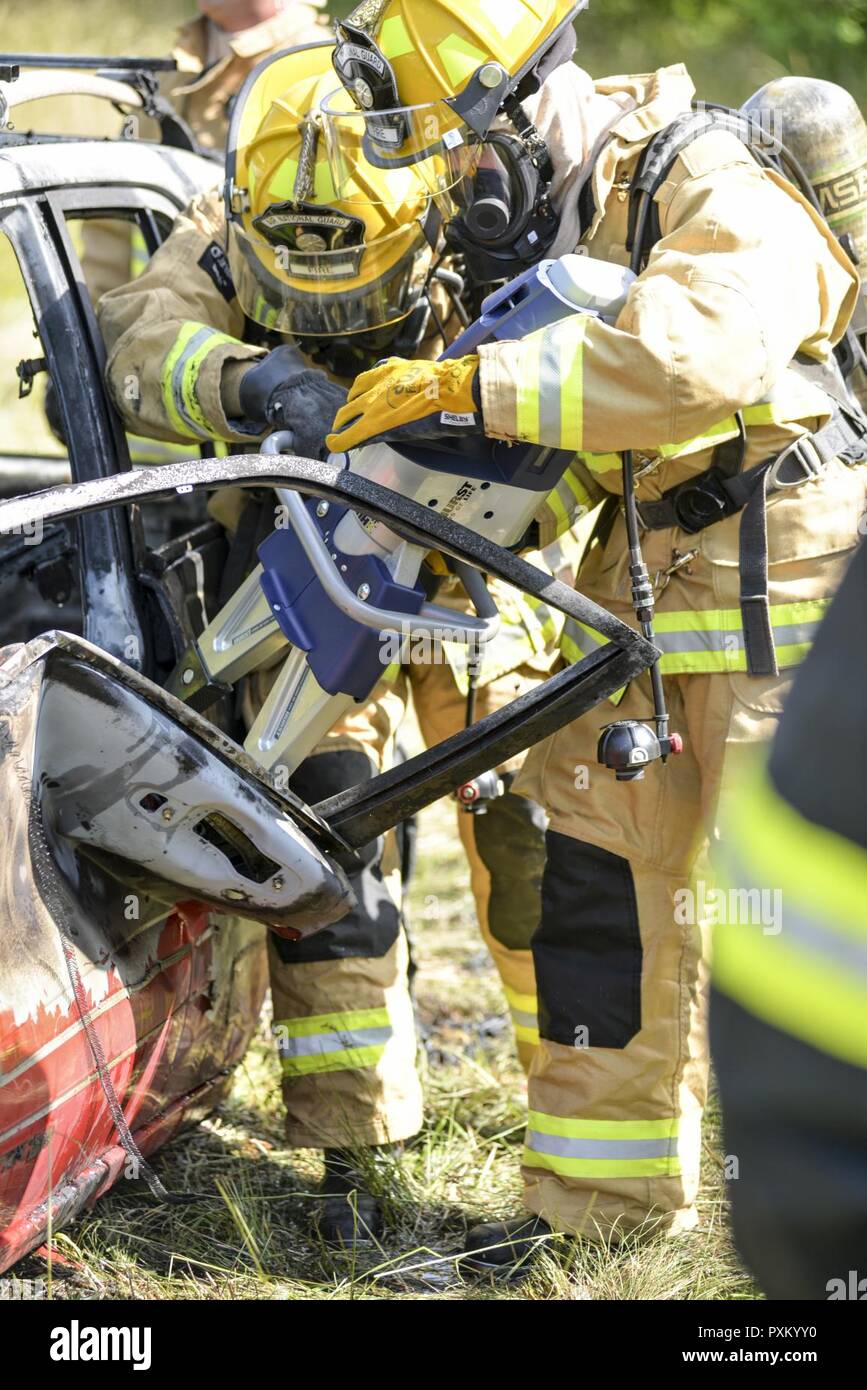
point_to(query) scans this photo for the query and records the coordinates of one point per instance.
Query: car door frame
(115, 614)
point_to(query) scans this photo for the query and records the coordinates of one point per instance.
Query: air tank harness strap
(715, 494)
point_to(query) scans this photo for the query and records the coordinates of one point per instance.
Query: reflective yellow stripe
(535, 623)
(602, 1148)
(350, 1059)
(555, 504)
(665, 1128)
(179, 376)
(717, 434)
(572, 385)
(393, 39)
(807, 975)
(332, 1042)
(264, 313)
(157, 451)
(569, 501)
(460, 59)
(527, 403)
(552, 370)
(601, 463)
(170, 401)
(712, 640)
(526, 1003)
(138, 253)
(524, 1033)
(312, 1024)
(523, 1008)
(580, 494)
(794, 399)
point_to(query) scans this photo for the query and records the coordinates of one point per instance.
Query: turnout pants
(343, 1014)
(618, 1083)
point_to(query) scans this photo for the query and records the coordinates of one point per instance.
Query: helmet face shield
(471, 53)
(432, 145)
(329, 292)
(310, 258)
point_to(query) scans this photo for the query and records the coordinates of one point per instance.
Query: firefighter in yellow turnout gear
(196, 332)
(696, 374)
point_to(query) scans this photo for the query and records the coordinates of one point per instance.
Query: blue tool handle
(512, 311)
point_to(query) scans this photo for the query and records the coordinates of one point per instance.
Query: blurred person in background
(789, 1003)
(214, 52)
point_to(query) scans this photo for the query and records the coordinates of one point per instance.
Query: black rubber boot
(348, 1215)
(506, 1247)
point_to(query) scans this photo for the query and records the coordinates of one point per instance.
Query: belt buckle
(800, 450)
(691, 516)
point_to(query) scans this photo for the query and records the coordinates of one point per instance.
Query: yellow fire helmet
(426, 79)
(305, 261)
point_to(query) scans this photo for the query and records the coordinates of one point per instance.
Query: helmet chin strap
(530, 139)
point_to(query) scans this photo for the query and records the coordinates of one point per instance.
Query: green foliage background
(730, 46)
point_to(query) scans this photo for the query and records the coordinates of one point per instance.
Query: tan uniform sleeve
(744, 276)
(169, 334)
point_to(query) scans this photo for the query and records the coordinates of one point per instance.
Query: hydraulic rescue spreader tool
(341, 593)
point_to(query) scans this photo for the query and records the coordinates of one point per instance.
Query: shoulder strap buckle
(800, 463)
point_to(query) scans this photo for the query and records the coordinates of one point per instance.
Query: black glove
(284, 392)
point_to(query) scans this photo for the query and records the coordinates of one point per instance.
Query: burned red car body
(116, 990)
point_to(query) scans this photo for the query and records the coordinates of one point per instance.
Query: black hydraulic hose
(642, 590)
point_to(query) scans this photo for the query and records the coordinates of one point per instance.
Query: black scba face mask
(506, 222)
(353, 353)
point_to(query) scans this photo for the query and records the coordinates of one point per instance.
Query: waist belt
(714, 495)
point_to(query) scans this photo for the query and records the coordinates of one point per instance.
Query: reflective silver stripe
(550, 405)
(198, 340)
(583, 641)
(317, 1044)
(560, 1147)
(844, 951)
(703, 639)
(807, 932)
(716, 639)
(523, 1019)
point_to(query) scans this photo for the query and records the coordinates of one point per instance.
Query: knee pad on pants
(371, 928)
(510, 840)
(327, 773)
(587, 951)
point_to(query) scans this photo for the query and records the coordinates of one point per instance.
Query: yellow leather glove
(405, 401)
